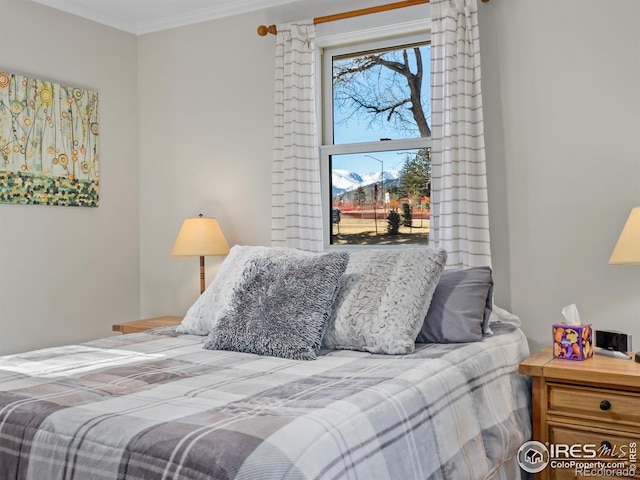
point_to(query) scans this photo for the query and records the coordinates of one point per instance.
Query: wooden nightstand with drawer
(590, 402)
(145, 324)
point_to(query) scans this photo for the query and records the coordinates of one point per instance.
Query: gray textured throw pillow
(216, 299)
(280, 306)
(460, 307)
(383, 298)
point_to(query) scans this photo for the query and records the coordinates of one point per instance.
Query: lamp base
(201, 275)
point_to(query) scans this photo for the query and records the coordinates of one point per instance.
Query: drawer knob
(606, 446)
(605, 405)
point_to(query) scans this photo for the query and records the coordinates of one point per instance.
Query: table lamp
(200, 236)
(627, 250)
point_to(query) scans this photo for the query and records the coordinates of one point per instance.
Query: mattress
(155, 405)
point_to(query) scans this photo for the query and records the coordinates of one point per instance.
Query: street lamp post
(381, 189)
(381, 176)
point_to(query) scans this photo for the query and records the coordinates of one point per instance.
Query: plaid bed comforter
(155, 405)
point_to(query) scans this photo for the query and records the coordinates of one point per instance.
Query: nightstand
(590, 402)
(146, 324)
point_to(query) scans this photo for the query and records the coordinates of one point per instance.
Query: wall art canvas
(48, 143)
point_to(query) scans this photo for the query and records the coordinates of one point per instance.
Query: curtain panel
(460, 209)
(296, 192)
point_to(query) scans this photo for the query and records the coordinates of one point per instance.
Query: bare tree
(384, 87)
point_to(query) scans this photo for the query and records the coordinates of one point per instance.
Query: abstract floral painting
(48, 143)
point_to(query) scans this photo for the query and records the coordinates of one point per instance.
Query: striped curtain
(459, 209)
(296, 195)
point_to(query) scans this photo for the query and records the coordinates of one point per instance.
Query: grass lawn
(366, 235)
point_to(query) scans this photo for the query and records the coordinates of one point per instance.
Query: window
(376, 141)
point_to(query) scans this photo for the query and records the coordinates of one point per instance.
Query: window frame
(391, 35)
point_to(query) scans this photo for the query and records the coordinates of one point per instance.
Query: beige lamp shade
(627, 250)
(200, 236)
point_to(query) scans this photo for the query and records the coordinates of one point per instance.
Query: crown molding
(226, 9)
(125, 19)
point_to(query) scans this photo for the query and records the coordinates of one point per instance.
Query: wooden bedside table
(146, 324)
(590, 402)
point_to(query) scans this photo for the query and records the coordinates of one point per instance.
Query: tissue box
(572, 342)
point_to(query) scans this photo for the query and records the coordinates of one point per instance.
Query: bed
(157, 405)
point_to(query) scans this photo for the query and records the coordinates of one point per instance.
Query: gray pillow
(280, 306)
(460, 307)
(383, 298)
(216, 299)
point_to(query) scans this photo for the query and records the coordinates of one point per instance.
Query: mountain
(345, 181)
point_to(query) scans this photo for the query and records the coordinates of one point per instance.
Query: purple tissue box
(572, 342)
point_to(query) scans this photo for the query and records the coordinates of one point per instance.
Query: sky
(356, 130)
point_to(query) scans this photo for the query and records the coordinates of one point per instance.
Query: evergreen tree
(393, 222)
(415, 176)
(407, 218)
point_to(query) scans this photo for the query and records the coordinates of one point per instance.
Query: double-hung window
(376, 129)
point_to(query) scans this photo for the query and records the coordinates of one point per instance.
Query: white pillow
(383, 298)
(218, 296)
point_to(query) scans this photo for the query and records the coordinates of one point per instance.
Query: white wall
(68, 273)
(562, 109)
(206, 99)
